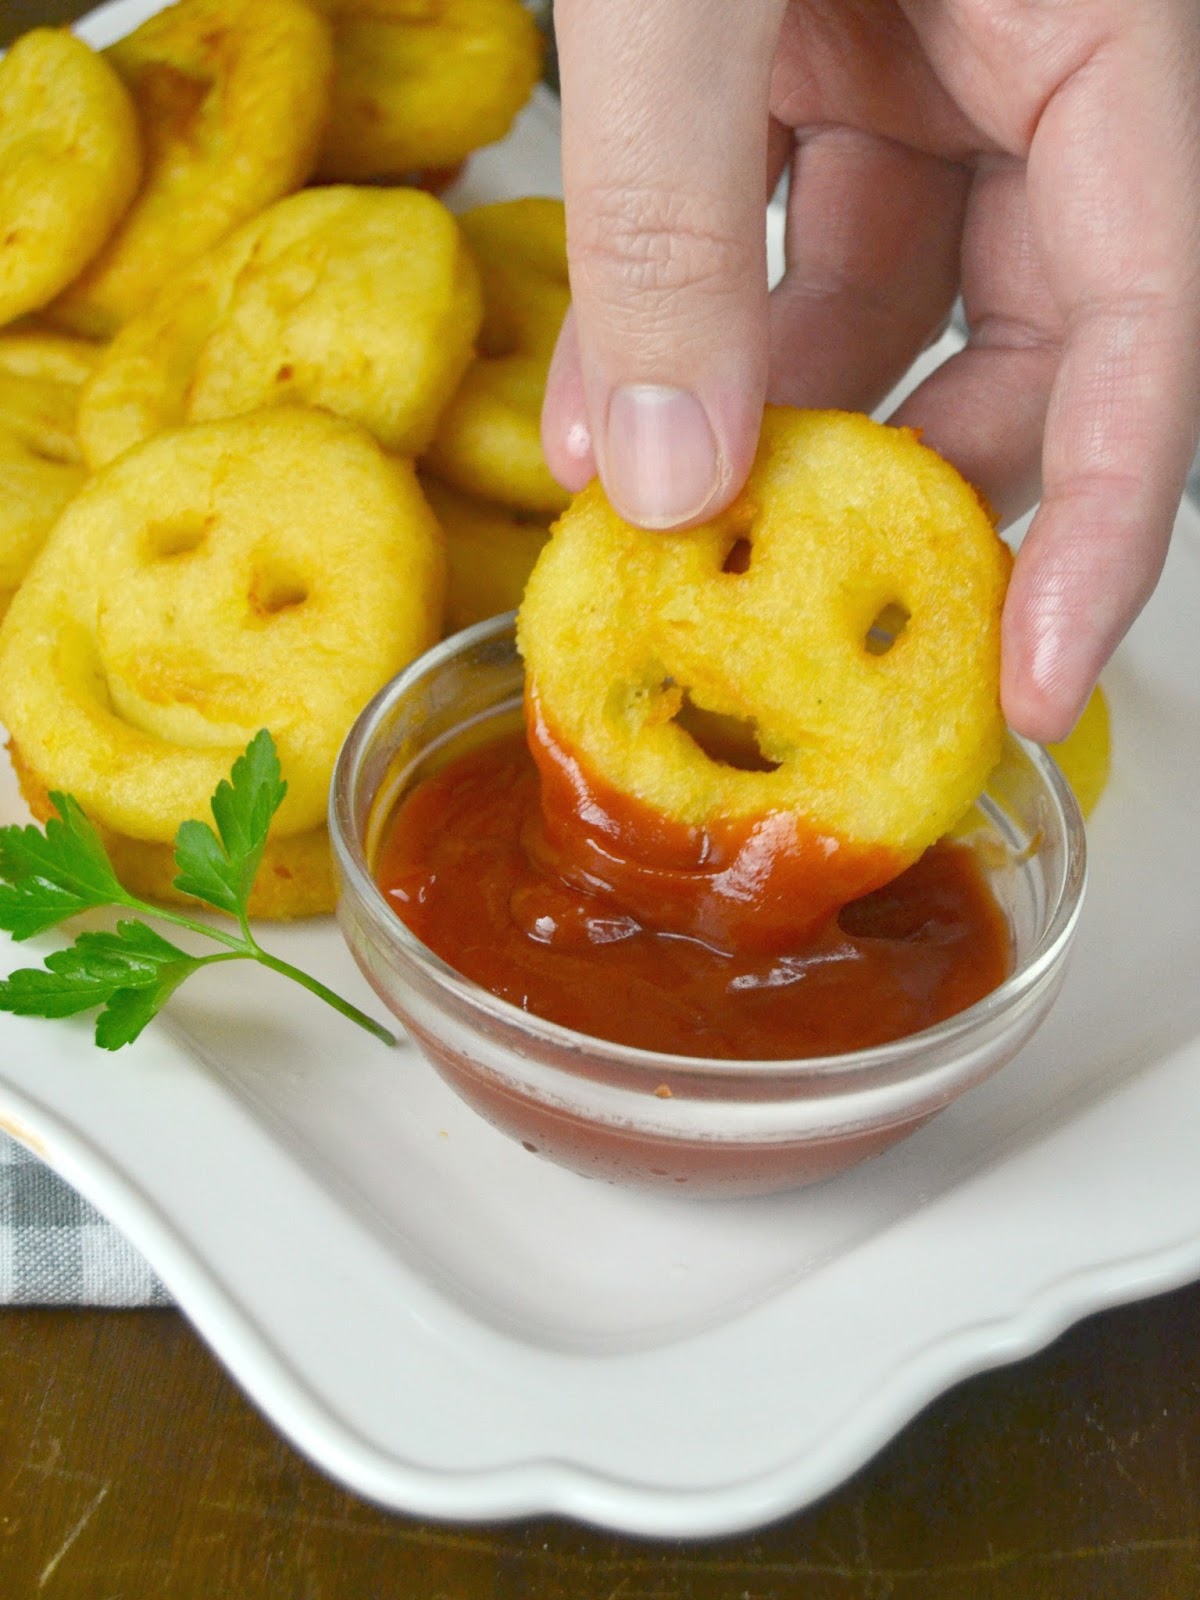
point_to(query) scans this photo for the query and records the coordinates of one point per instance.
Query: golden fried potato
(33, 491)
(267, 571)
(362, 301)
(419, 84)
(490, 553)
(70, 162)
(233, 97)
(781, 708)
(40, 462)
(1085, 755)
(30, 349)
(41, 373)
(488, 442)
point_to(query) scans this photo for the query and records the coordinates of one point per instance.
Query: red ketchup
(499, 874)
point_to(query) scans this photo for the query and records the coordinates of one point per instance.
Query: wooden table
(17, 15)
(130, 1466)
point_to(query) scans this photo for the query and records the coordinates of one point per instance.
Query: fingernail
(660, 458)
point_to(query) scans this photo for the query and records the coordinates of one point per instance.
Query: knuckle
(642, 247)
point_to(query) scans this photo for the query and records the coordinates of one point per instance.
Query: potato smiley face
(362, 301)
(232, 97)
(419, 84)
(70, 162)
(268, 571)
(782, 708)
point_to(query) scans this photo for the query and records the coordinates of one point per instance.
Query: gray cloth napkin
(56, 1249)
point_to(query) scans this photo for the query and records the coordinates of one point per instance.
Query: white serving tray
(453, 1327)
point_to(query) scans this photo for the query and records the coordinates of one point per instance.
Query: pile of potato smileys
(269, 413)
(269, 421)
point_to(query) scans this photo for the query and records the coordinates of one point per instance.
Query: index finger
(664, 153)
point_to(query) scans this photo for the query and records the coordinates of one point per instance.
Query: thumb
(665, 118)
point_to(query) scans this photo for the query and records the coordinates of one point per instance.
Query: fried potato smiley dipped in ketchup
(712, 837)
(744, 726)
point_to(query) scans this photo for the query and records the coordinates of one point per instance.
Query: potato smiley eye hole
(887, 627)
(276, 592)
(737, 557)
(167, 541)
(729, 741)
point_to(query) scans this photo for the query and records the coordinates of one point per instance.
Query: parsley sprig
(129, 973)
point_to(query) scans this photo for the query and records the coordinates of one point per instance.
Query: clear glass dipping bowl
(727, 1127)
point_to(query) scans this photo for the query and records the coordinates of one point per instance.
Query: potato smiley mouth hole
(886, 629)
(728, 741)
(43, 451)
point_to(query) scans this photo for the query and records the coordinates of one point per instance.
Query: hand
(1041, 160)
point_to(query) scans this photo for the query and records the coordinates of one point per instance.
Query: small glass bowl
(685, 1124)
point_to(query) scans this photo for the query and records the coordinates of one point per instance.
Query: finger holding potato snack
(233, 98)
(488, 441)
(268, 571)
(783, 707)
(70, 163)
(420, 84)
(363, 301)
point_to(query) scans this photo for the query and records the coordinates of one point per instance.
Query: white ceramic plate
(452, 1327)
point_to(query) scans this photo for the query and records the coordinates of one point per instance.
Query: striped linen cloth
(56, 1249)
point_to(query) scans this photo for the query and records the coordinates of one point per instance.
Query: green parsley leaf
(48, 876)
(40, 992)
(219, 867)
(130, 1009)
(133, 956)
(128, 974)
(127, 1013)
